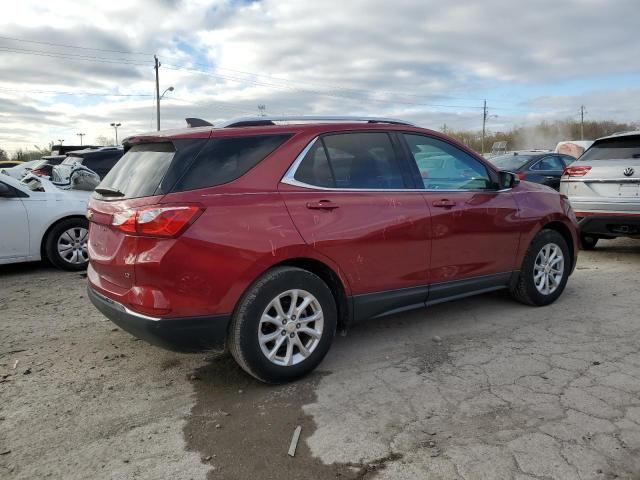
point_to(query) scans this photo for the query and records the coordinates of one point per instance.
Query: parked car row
(49, 222)
(265, 235)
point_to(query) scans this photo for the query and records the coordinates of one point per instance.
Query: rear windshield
(615, 149)
(510, 162)
(140, 171)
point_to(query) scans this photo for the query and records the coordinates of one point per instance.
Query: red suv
(265, 235)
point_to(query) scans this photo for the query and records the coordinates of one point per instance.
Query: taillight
(520, 175)
(125, 221)
(577, 171)
(40, 173)
(157, 221)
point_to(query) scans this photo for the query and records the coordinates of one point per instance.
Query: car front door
(474, 227)
(354, 202)
(14, 236)
(547, 171)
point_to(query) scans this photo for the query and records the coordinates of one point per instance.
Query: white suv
(603, 186)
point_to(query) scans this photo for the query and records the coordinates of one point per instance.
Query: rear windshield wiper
(109, 192)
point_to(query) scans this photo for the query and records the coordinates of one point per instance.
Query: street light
(170, 89)
(115, 127)
(81, 135)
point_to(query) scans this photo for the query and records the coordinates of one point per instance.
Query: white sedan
(39, 220)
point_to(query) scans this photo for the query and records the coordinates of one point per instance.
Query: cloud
(430, 62)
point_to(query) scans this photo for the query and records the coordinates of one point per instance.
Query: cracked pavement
(483, 388)
(520, 393)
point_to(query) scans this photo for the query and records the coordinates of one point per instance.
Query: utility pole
(157, 67)
(81, 135)
(484, 122)
(582, 112)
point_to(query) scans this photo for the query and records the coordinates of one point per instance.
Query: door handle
(322, 205)
(444, 203)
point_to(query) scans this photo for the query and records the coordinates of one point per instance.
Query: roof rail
(263, 121)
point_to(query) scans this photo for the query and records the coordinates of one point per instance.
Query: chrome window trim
(289, 179)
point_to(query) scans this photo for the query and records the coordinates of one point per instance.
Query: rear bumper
(613, 225)
(192, 334)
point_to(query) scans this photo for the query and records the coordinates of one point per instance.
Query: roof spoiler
(197, 122)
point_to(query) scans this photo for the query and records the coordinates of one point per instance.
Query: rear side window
(223, 160)
(140, 171)
(622, 148)
(364, 160)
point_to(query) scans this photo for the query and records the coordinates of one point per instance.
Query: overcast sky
(431, 62)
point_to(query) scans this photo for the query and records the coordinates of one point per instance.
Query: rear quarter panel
(238, 236)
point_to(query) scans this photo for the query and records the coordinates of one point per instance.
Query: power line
(80, 94)
(73, 46)
(69, 56)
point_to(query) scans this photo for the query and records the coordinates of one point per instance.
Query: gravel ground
(483, 388)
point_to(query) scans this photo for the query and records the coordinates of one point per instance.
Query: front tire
(545, 270)
(66, 244)
(283, 325)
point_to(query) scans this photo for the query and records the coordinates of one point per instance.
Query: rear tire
(66, 244)
(544, 271)
(283, 325)
(588, 242)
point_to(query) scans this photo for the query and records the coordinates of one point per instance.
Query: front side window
(363, 160)
(445, 167)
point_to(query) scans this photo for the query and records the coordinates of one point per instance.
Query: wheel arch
(331, 278)
(563, 230)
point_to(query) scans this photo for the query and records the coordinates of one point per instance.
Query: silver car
(603, 186)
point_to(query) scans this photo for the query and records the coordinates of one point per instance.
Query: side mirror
(6, 191)
(508, 179)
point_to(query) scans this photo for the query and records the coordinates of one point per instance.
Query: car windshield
(614, 149)
(510, 162)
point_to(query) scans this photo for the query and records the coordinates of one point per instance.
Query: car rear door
(547, 171)
(353, 201)
(474, 231)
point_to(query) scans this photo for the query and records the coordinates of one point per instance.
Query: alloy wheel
(548, 269)
(291, 327)
(72, 245)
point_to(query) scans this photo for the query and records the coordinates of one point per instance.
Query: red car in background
(265, 235)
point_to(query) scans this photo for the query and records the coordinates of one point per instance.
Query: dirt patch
(243, 428)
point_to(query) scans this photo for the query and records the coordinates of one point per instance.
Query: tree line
(544, 135)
